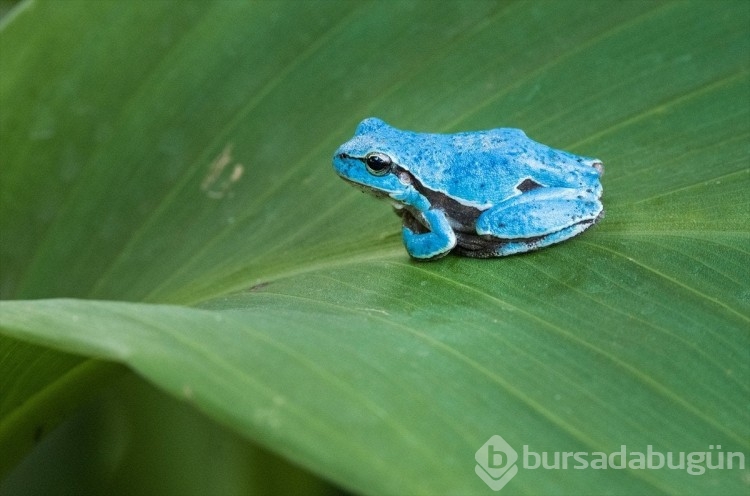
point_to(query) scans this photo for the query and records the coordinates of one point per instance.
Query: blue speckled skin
(482, 194)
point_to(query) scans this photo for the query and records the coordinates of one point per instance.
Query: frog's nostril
(342, 155)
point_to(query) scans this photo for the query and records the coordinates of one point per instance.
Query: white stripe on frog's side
(467, 203)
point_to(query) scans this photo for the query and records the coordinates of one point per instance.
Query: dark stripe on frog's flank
(466, 216)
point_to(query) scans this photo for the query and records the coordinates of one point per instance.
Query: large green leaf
(176, 157)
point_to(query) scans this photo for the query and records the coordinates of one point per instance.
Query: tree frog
(480, 194)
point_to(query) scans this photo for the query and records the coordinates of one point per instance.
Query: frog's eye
(378, 164)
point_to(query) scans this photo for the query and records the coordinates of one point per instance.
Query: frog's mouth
(377, 193)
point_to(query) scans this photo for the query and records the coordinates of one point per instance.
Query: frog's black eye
(378, 164)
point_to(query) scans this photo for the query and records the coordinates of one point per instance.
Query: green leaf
(174, 159)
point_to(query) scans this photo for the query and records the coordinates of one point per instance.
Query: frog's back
(486, 167)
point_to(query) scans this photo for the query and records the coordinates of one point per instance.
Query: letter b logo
(496, 462)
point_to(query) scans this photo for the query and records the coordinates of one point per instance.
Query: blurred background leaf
(179, 153)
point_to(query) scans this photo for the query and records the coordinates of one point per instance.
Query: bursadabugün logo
(497, 461)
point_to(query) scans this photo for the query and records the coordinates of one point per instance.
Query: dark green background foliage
(165, 169)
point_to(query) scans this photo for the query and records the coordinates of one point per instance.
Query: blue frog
(480, 194)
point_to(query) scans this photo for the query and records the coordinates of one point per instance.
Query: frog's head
(369, 161)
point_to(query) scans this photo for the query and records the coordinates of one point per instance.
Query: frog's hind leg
(539, 212)
(538, 218)
(512, 247)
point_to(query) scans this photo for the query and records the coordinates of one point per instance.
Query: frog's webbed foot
(425, 243)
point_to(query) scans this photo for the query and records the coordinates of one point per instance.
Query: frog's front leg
(433, 244)
(547, 213)
(427, 232)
